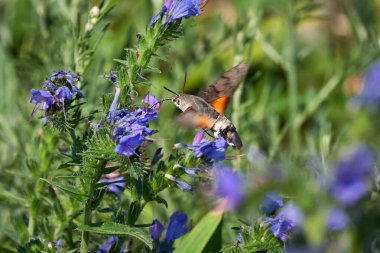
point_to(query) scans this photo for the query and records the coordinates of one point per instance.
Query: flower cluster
(176, 10)
(60, 87)
(132, 127)
(176, 228)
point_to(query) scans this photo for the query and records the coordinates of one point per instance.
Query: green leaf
(13, 197)
(112, 228)
(123, 62)
(200, 235)
(153, 69)
(71, 191)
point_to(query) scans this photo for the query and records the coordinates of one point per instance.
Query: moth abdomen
(232, 137)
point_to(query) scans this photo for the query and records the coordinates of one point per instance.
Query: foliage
(111, 166)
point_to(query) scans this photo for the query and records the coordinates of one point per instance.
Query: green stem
(291, 76)
(88, 207)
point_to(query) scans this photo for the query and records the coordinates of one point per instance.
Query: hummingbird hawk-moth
(206, 110)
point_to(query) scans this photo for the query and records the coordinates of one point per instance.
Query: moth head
(176, 101)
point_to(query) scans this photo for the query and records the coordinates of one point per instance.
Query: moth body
(205, 116)
(206, 110)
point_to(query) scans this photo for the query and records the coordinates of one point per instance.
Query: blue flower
(180, 184)
(48, 85)
(45, 99)
(156, 230)
(63, 93)
(150, 99)
(113, 240)
(42, 99)
(58, 244)
(350, 182)
(198, 137)
(272, 202)
(229, 186)
(176, 228)
(336, 220)
(191, 172)
(112, 76)
(285, 222)
(129, 143)
(71, 78)
(115, 185)
(176, 10)
(131, 127)
(370, 94)
(210, 150)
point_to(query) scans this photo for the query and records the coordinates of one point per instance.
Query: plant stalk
(88, 208)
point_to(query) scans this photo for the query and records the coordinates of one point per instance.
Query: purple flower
(370, 94)
(176, 228)
(131, 127)
(42, 99)
(58, 244)
(48, 85)
(129, 143)
(198, 137)
(112, 76)
(350, 182)
(156, 230)
(336, 220)
(191, 172)
(45, 99)
(210, 150)
(141, 116)
(176, 10)
(145, 115)
(71, 78)
(285, 222)
(115, 185)
(150, 99)
(63, 93)
(113, 240)
(229, 186)
(272, 202)
(180, 184)
(239, 237)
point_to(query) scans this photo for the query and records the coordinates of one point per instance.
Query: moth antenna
(166, 88)
(184, 82)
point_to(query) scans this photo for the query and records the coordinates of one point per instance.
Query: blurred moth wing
(206, 111)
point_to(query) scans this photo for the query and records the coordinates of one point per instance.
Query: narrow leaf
(71, 191)
(112, 228)
(201, 234)
(154, 69)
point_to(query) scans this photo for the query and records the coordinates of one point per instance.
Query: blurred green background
(306, 61)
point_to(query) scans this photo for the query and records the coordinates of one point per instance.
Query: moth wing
(191, 118)
(220, 92)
